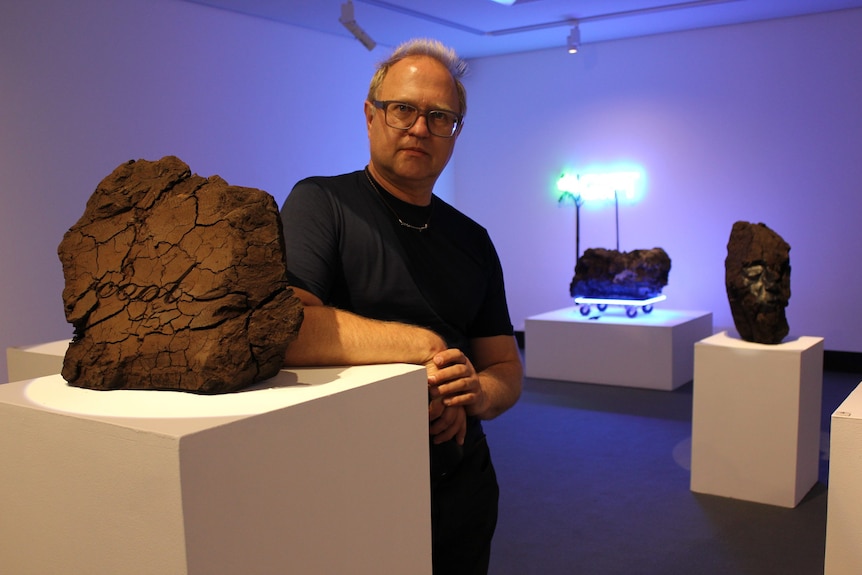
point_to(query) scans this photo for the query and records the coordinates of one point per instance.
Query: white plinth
(313, 471)
(654, 350)
(756, 419)
(844, 507)
(32, 361)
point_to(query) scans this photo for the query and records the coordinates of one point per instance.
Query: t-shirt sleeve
(310, 237)
(493, 317)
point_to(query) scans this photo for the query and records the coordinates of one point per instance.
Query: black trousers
(464, 514)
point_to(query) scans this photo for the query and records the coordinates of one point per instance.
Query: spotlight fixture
(347, 19)
(574, 40)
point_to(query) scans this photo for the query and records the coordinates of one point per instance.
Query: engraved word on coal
(147, 293)
(176, 282)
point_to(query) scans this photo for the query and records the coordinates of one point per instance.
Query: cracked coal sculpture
(174, 281)
(634, 275)
(757, 279)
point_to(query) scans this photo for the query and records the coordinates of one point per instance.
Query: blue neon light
(620, 301)
(601, 187)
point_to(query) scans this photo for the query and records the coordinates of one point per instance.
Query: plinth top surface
(659, 317)
(790, 344)
(57, 348)
(289, 387)
(851, 407)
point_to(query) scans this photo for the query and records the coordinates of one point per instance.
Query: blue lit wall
(730, 123)
(739, 122)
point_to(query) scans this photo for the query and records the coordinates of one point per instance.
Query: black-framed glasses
(402, 116)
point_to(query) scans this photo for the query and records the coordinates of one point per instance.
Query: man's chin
(417, 171)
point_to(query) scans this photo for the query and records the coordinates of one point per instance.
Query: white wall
(759, 122)
(87, 85)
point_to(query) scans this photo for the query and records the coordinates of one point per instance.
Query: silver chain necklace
(421, 228)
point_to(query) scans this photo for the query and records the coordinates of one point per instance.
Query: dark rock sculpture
(176, 282)
(757, 278)
(602, 273)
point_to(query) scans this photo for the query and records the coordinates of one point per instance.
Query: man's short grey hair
(424, 47)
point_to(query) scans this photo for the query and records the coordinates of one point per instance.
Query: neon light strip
(593, 187)
(625, 302)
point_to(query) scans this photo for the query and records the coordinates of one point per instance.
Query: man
(388, 272)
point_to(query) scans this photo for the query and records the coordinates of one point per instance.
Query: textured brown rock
(176, 282)
(757, 278)
(638, 274)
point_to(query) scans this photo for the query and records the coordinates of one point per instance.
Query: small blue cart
(631, 305)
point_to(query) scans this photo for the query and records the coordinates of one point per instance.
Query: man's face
(412, 159)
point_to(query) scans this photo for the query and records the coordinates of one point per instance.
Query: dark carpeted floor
(595, 480)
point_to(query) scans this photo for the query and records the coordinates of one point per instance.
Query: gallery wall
(759, 122)
(742, 122)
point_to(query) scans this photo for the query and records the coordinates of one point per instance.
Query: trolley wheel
(631, 311)
(602, 306)
(647, 308)
(585, 309)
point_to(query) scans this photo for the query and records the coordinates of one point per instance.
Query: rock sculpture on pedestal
(757, 278)
(176, 282)
(638, 274)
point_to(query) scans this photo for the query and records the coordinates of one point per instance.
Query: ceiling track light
(574, 39)
(349, 21)
(573, 42)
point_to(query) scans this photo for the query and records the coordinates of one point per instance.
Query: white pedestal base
(844, 506)
(756, 419)
(654, 350)
(32, 361)
(313, 471)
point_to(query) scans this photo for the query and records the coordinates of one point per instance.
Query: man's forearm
(329, 336)
(501, 384)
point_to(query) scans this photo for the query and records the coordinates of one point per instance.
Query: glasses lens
(402, 116)
(441, 123)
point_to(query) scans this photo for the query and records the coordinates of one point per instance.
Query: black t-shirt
(345, 245)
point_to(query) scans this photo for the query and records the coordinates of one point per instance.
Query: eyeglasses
(401, 116)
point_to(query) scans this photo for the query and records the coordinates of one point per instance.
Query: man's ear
(369, 114)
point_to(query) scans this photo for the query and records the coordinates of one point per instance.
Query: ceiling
(478, 28)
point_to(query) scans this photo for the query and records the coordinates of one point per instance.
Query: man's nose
(420, 126)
